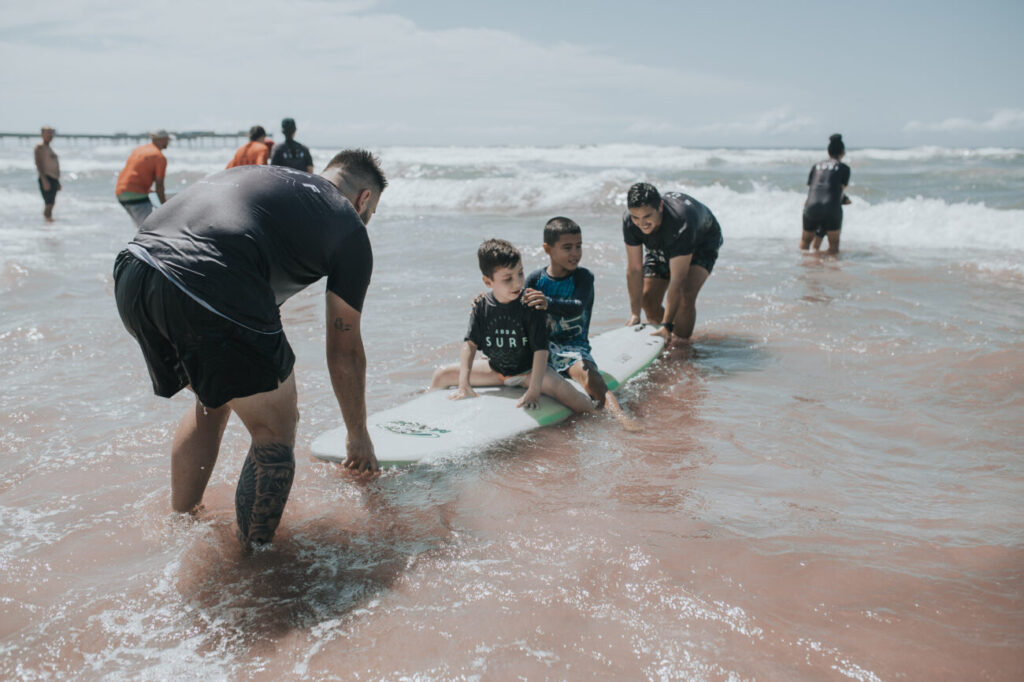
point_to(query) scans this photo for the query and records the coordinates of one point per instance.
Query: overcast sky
(425, 72)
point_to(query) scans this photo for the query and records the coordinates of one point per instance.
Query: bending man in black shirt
(199, 288)
(681, 238)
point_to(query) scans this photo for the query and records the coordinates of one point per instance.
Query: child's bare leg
(480, 374)
(445, 377)
(586, 375)
(559, 388)
(625, 421)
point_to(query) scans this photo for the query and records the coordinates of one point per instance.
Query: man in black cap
(291, 153)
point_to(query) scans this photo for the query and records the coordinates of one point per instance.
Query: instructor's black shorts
(705, 255)
(820, 219)
(184, 344)
(49, 195)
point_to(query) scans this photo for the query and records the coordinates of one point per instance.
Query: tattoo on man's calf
(262, 491)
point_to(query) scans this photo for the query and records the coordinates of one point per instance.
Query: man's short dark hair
(288, 125)
(556, 227)
(256, 132)
(643, 194)
(360, 167)
(497, 253)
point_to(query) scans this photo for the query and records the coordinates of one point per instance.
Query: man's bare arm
(678, 268)
(346, 363)
(40, 166)
(160, 190)
(634, 280)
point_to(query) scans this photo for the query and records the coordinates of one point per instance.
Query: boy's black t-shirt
(507, 333)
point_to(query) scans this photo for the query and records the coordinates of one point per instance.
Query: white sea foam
(632, 156)
(754, 192)
(765, 212)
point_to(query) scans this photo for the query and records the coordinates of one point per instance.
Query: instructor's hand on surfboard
(361, 457)
(664, 332)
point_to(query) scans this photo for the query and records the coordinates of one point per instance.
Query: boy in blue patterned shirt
(569, 289)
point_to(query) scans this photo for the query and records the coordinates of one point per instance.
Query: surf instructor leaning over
(199, 288)
(681, 238)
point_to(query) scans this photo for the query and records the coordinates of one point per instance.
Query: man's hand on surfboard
(535, 299)
(361, 457)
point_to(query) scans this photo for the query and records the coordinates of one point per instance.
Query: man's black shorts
(820, 219)
(49, 195)
(184, 344)
(706, 255)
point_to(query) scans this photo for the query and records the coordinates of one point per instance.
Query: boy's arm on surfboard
(532, 395)
(465, 390)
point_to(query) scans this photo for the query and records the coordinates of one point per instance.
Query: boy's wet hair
(643, 194)
(497, 253)
(256, 132)
(556, 227)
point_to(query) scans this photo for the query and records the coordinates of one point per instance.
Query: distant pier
(189, 138)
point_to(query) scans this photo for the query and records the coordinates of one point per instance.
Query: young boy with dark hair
(569, 290)
(513, 334)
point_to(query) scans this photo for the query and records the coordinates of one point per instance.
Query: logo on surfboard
(404, 428)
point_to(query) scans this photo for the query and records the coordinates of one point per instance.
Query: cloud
(344, 70)
(1002, 120)
(780, 121)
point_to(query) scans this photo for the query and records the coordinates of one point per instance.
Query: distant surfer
(826, 195)
(290, 153)
(672, 243)
(145, 169)
(509, 326)
(569, 290)
(199, 288)
(255, 152)
(48, 169)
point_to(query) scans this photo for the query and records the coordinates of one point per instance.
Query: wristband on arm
(669, 326)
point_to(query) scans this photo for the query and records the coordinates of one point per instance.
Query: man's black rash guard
(244, 240)
(686, 225)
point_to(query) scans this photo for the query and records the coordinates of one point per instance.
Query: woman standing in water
(823, 210)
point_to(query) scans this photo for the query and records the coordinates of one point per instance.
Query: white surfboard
(431, 425)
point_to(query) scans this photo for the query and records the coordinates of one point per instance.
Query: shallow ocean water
(828, 484)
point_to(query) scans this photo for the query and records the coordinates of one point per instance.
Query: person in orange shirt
(146, 167)
(255, 152)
